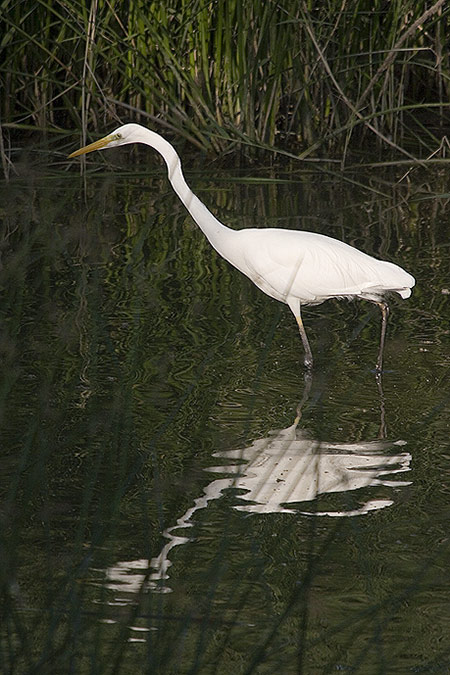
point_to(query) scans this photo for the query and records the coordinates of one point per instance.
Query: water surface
(177, 498)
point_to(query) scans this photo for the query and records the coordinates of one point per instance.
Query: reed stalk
(318, 78)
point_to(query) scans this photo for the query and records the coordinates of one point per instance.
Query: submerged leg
(384, 317)
(306, 347)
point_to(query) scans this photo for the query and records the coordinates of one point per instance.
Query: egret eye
(118, 137)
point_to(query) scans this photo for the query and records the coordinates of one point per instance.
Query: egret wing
(313, 267)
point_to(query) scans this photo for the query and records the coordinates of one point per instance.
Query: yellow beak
(97, 145)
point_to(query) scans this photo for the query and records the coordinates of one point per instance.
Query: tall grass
(314, 76)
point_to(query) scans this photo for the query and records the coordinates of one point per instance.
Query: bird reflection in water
(281, 473)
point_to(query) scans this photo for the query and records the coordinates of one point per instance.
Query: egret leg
(384, 318)
(383, 429)
(308, 383)
(306, 347)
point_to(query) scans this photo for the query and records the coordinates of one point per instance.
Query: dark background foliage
(310, 77)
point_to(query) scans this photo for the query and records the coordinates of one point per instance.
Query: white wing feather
(313, 267)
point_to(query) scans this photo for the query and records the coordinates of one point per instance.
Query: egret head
(128, 133)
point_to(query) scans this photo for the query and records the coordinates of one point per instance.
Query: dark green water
(163, 510)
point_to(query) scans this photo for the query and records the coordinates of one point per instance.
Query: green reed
(317, 77)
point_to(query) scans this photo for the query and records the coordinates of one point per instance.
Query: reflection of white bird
(298, 268)
(288, 467)
(280, 473)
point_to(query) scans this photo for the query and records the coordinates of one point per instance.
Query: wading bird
(295, 267)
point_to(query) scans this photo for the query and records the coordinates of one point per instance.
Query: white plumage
(313, 267)
(295, 267)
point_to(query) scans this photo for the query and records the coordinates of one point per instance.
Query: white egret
(298, 268)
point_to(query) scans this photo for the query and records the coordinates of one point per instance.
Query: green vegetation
(314, 77)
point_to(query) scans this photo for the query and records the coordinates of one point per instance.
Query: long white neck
(217, 233)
